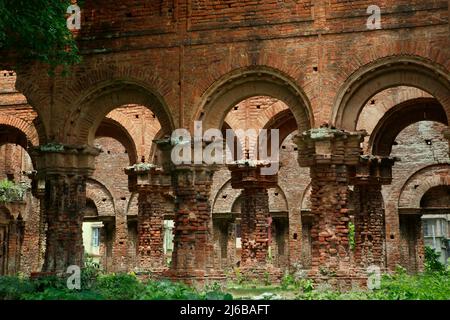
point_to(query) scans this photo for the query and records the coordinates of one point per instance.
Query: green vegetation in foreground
(400, 286)
(433, 284)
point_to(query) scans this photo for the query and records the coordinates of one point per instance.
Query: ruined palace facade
(362, 115)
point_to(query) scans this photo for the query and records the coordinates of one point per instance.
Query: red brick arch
(242, 84)
(28, 130)
(101, 196)
(283, 121)
(270, 113)
(105, 97)
(422, 181)
(400, 117)
(225, 205)
(384, 73)
(113, 129)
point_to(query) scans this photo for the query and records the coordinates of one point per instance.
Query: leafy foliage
(90, 272)
(37, 30)
(351, 235)
(166, 290)
(120, 286)
(13, 288)
(10, 192)
(399, 286)
(432, 262)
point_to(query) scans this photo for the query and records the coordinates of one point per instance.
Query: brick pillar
(64, 168)
(255, 226)
(120, 258)
(332, 156)
(35, 227)
(193, 241)
(370, 227)
(193, 252)
(330, 208)
(255, 217)
(64, 203)
(150, 230)
(151, 183)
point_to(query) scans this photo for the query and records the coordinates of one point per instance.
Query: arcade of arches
(364, 141)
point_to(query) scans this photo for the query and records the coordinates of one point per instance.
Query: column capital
(56, 158)
(246, 174)
(147, 177)
(374, 170)
(329, 146)
(193, 174)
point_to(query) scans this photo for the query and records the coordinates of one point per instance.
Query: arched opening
(423, 206)
(113, 129)
(122, 118)
(98, 103)
(400, 117)
(20, 129)
(227, 227)
(383, 74)
(405, 121)
(98, 232)
(226, 94)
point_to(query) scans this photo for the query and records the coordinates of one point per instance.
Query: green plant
(287, 280)
(90, 272)
(267, 281)
(351, 235)
(37, 31)
(240, 278)
(12, 288)
(215, 292)
(306, 285)
(432, 262)
(167, 290)
(10, 191)
(121, 286)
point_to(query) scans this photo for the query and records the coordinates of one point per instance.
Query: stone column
(370, 246)
(255, 215)
(331, 155)
(151, 183)
(64, 168)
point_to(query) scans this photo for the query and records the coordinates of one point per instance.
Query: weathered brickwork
(369, 223)
(149, 68)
